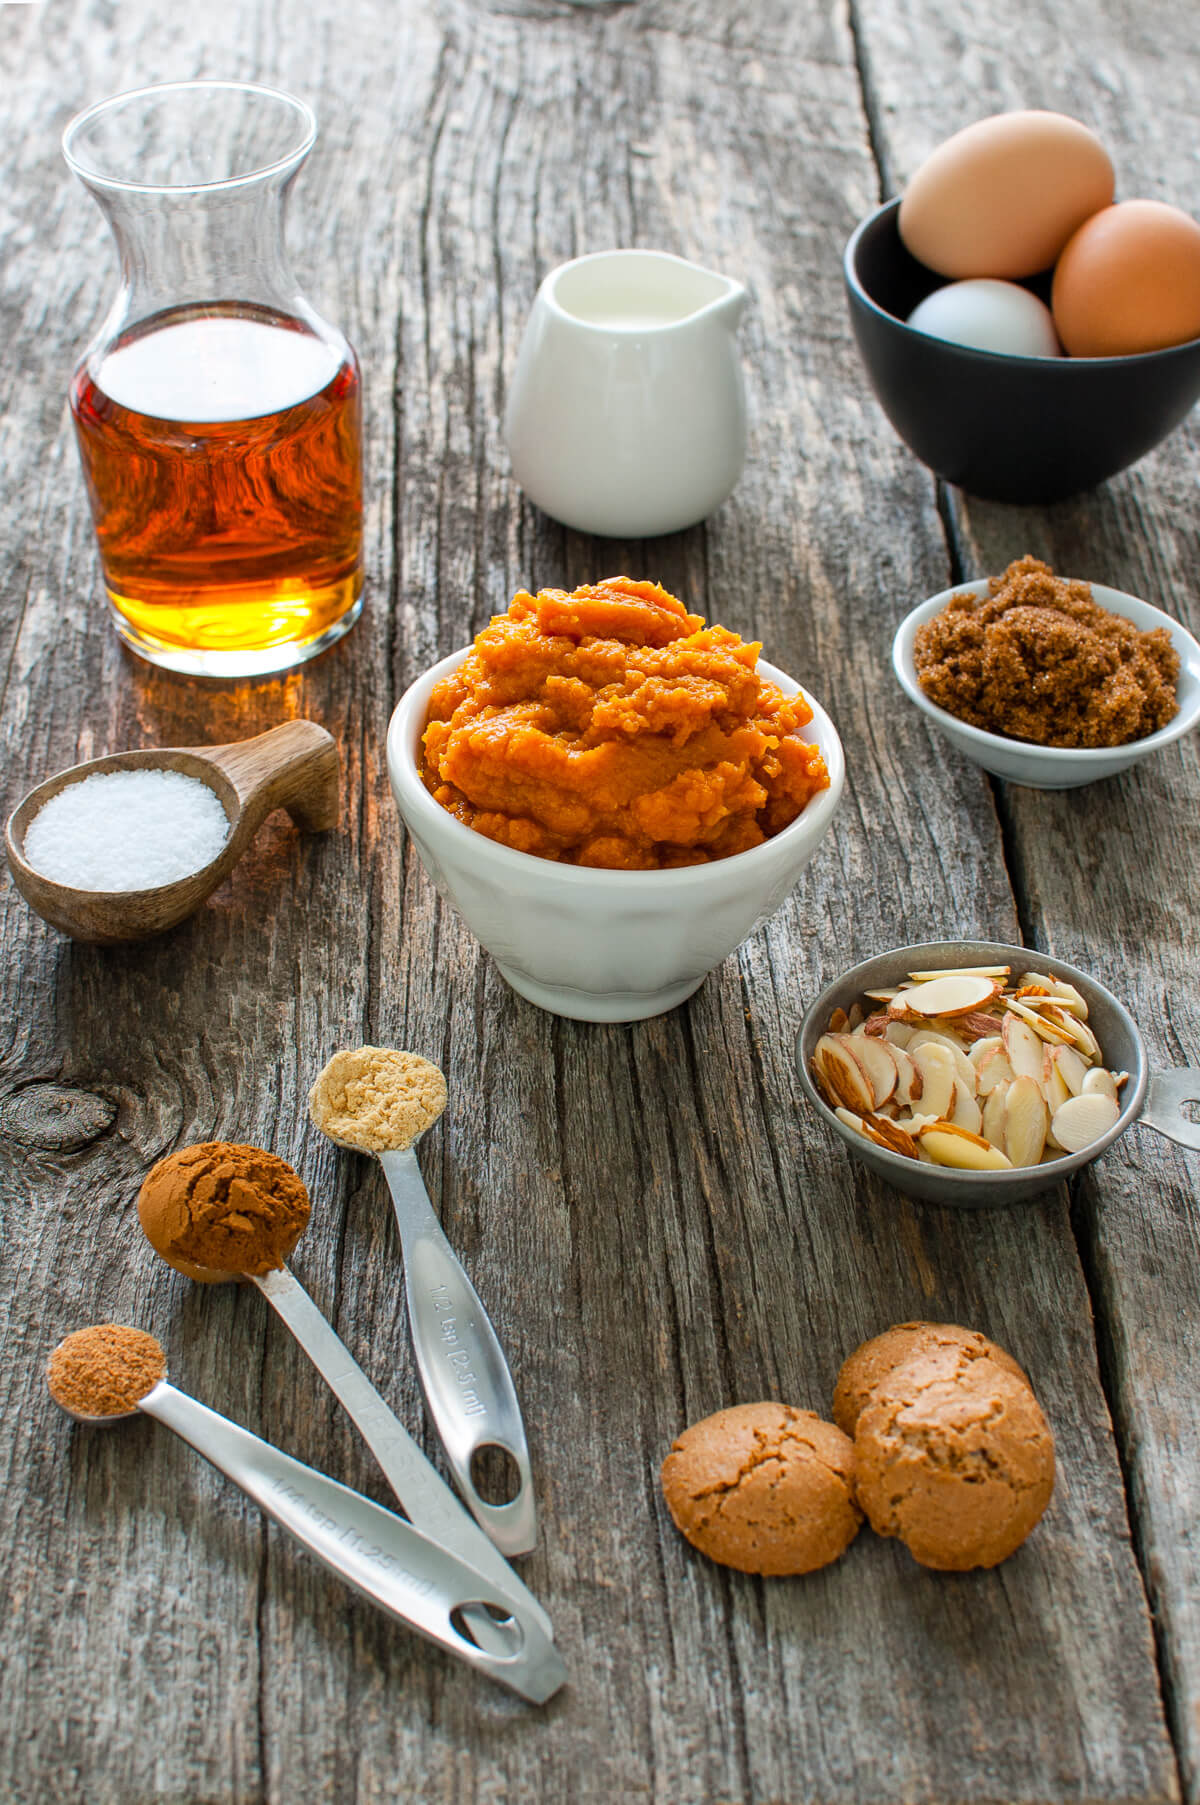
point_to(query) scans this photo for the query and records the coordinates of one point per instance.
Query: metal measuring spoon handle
(384, 1558)
(468, 1388)
(1167, 1096)
(424, 1494)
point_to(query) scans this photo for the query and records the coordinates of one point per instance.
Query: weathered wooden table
(659, 1225)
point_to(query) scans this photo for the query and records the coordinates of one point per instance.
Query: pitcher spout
(733, 303)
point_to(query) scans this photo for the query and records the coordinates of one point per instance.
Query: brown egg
(1129, 281)
(1002, 197)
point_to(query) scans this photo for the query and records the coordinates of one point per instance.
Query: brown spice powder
(221, 1207)
(377, 1099)
(1039, 659)
(104, 1371)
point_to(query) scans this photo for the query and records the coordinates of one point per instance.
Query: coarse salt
(127, 830)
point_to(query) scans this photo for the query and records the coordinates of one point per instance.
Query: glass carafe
(218, 415)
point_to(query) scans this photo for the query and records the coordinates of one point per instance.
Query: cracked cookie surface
(955, 1458)
(869, 1365)
(764, 1488)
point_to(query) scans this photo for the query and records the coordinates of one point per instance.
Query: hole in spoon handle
(468, 1387)
(1167, 1095)
(295, 766)
(512, 1525)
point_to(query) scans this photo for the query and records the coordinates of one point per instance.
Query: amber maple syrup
(222, 451)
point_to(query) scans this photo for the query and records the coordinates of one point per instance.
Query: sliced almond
(955, 994)
(855, 1016)
(1055, 1088)
(993, 1069)
(1041, 1025)
(890, 1135)
(936, 1066)
(840, 1076)
(874, 1025)
(908, 1079)
(897, 1034)
(951, 1146)
(1065, 994)
(979, 1049)
(1026, 1120)
(966, 1112)
(961, 971)
(1073, 1067)
(978, 1025)
(992, 1127)
(849, 1118)
(912, 1123)
(934, 1037)
(1083, 1119)
(875, 1058)
(1098, 1083)
(880, 996)
(839, 1022)
(1023, 1047)
(1075, 1030)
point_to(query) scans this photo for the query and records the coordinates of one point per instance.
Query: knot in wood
(54, 1117)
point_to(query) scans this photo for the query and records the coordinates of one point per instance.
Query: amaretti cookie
(871, 1363)
(764, 1488)
(955, 1458)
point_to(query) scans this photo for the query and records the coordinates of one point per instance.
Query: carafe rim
(96, 178)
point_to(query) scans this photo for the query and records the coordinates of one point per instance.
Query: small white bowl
(596, 945)
(1052, 767)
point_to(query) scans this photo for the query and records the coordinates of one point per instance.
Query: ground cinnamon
(220, 1208)
(1039, 659)
(376, 1098)
(104, 1371)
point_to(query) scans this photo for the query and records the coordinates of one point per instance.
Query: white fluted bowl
(595, 945)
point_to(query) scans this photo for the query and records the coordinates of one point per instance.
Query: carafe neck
(183, 250)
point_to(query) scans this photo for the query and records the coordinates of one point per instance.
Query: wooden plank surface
(1104, 876)
(657, 1226)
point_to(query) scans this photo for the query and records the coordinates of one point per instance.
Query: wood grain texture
(656, 1226)
(1104, 876)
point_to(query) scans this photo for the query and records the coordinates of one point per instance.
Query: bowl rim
(813, 820)
(1079, 758)
(997, 951)
(1128, 360)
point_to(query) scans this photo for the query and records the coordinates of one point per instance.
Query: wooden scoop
(293, 767)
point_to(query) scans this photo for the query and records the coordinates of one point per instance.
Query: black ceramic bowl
(1022, 429)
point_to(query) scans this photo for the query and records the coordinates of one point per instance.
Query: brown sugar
(377, 1099)
(104, 1371)
(219, 1208)
(1039, 659)
(764, 1488)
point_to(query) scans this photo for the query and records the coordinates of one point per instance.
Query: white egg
(989, 316)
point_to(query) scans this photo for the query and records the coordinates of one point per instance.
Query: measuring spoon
(420, 1489)
(293, 767)
(411, 1576)
(469, 1390)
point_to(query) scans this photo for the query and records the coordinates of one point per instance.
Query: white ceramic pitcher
(627, 416)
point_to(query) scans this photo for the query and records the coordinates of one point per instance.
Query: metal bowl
(1157, 1100)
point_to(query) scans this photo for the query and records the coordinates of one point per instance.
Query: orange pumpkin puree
(611, 727)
